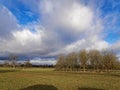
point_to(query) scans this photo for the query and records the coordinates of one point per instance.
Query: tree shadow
(6, 71)
(40, 87)
(88, 88)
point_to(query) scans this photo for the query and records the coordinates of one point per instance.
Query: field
(48, 79)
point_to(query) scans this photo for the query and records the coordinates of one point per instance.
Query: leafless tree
(28, 64)
(72, 61)
(83, 56)
(61, 63)
(95, 58)
(109, 60)
(13, 59)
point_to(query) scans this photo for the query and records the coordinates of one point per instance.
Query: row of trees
(12, 62)
(88, 60)
(16, 64)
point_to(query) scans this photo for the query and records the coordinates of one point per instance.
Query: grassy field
(48, 79)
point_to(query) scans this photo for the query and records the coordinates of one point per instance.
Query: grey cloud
(8, 22)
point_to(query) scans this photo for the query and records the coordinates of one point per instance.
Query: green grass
(48, 79)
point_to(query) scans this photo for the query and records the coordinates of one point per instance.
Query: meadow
(49, 79)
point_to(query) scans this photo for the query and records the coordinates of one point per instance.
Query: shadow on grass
(88, 88)
(40, 87)
(6, 71)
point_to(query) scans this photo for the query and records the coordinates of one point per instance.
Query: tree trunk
(84, 68)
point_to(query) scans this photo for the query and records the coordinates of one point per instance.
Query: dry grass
(48, 79)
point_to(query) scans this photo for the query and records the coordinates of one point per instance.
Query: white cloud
(78, 20)
(46, 6)
(78, 17)
(67, 25)
(39, 61)
(23, 41)
(84, 44)
(67, 14)
(26, 36)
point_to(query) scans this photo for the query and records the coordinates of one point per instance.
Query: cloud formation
(8, 22)
(72, 15)
(64, 26)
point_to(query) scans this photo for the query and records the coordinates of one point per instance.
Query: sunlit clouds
(53, 27)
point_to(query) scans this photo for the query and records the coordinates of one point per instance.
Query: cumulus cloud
(23, 41)
(72, 19)
(87, 44)
(79, 21)
(64, 26)
(73, 16)
(26, 36)
(67, 14)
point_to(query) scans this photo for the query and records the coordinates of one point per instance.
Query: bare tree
(109, 60)
(13, 59)
(83, 56)
(61, 63)
(72, 61)
(68, 62)
(95, 58)
(28, 64)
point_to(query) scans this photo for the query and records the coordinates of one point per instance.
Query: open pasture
(48, 79)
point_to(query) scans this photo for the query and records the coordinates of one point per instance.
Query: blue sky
(21, 11)
(47, 28)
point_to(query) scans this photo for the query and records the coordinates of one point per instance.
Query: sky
(47, 28)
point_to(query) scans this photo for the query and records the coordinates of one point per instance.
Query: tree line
(92, 60)
(13, 62)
